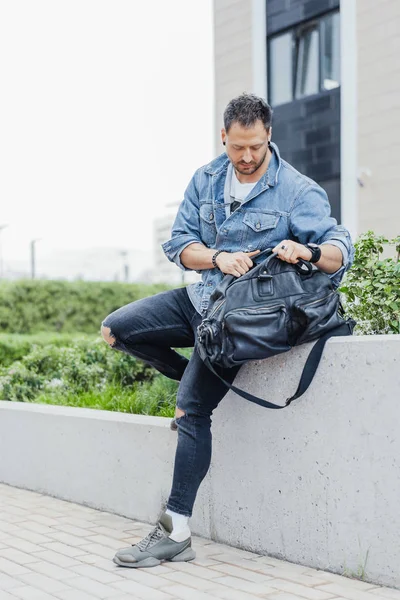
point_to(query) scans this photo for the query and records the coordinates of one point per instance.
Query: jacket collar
(219, 164)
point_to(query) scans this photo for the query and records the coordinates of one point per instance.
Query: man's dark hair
(246, 109)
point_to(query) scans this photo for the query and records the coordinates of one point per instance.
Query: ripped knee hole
(108, 336)
(179, 413)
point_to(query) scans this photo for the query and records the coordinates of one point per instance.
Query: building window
(304, 60)
(281, 68)
(307, 62)
(330, 52)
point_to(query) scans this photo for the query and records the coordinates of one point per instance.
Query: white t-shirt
(238, 191)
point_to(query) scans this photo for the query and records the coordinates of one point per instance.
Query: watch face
(313, 245)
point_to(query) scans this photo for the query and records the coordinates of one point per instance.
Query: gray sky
(105, 112)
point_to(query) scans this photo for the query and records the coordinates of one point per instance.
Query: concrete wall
(378, 35)
(317, 483)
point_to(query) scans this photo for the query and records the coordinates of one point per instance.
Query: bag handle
(304, 267)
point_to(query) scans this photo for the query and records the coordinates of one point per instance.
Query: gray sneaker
(156, 547)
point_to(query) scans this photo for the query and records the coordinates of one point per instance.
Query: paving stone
(75, 595)
(189, 580)
(42, 582)
(7, 528)
(10, 518)
(100, 562)
(17, 556)
(7, 582)
(146, 577)
(31, 536)
(204, 561)
(242, 573)
(50, 522)
(98, 590)
(51, 570)
(11, 568)
(23, 545)
(284, 596)
(103, 551)
(95, 573)
(118, 534)
(245, 586)
(302, 591)
(37, 527)
(30, 593)
(347, 591)
(388, 593)
(64, 549)
(72, 530)
(230, 594)
(81, 522)
(56, 558)
(105, 541)
(126, 597)
(140, 591)
(185, 593)
(69, 540)
(6, 596)
(193, 569)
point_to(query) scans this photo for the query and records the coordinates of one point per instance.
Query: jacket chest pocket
(258, 229)
(208, 229)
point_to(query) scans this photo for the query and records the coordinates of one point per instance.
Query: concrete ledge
(317, 483)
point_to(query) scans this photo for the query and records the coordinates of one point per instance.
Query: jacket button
(211, 216)
(258, 225)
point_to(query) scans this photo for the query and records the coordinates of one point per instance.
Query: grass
(80, 370)
(156, 398)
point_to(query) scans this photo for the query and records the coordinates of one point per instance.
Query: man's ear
(223, 136)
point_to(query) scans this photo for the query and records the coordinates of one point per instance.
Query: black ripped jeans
(149, 329)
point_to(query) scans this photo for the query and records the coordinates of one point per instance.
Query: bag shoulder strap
(307, 375)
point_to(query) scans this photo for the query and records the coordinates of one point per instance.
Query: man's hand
(290, 251)
(235, 263)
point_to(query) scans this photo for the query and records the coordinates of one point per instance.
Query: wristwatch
(315, 252)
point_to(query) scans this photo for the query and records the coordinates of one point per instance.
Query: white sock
(180, 527)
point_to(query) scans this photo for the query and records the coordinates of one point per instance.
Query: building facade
(330, 71)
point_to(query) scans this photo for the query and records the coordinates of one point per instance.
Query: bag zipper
(216, 307)
(316, 301)
(260, 308)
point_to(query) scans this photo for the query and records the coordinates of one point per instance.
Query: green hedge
(14, 346)
(30, 306)
(82, 371)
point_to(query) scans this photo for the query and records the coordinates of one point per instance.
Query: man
(244, 201)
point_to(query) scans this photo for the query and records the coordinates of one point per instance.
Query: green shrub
(83, 366)
(371, 289)
(82, 371)
(30, 306)
(14, 346)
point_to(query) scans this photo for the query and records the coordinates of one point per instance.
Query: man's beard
(253, 166)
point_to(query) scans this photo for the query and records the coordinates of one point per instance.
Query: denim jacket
(284, 204)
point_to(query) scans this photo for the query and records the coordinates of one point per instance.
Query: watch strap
(315, 252)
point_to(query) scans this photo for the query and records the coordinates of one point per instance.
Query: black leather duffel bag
(274, 306)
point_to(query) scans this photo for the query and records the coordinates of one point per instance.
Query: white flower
(54, 383)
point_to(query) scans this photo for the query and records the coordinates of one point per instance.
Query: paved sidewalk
(50, 548)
